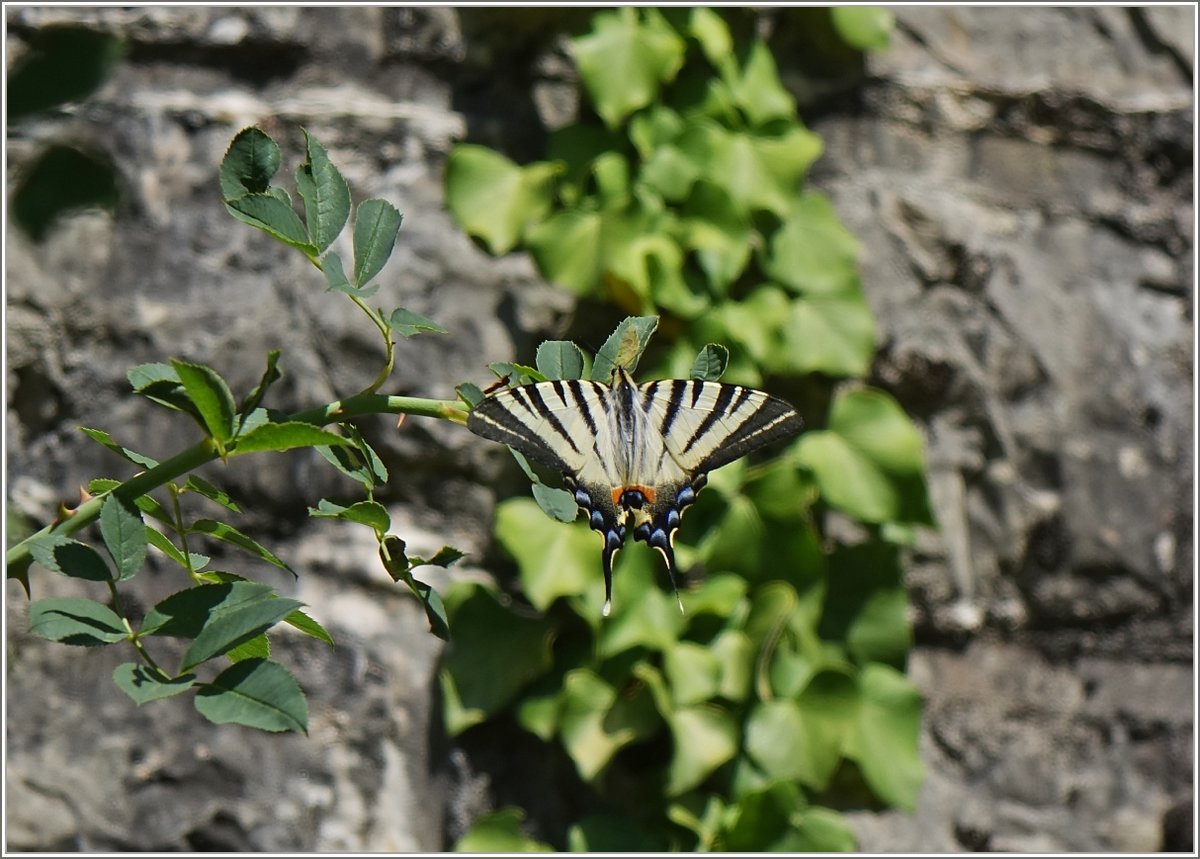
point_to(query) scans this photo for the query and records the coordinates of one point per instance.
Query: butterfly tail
(662, 542)
(612, 545)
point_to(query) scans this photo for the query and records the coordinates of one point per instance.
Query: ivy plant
(220, 614)
(679, 195)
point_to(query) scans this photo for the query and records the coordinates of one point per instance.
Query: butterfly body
(634, 455)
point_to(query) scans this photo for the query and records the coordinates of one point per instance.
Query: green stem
(18, 558)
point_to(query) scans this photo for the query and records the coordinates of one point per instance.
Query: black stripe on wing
(773, 420)
(494, 420)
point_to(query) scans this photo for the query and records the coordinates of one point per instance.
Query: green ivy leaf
(76, 621)
(590, 737)
(124, 535)
(212, 398)
(492, 655)
(718, 233)
(495, 199)
(325, 194)
(624, 61)
(867, 28)
(757, 90)
(885, 743)
(693, 673)
(144, 684)
(812, 252)
(554, 560)
(705, 738)
(249, 163)
(255, 692)
(869, 462)
(375, 229)
(500, 832)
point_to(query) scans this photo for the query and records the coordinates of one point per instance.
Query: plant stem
(18, 558)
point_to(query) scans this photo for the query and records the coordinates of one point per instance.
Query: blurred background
(1020, 185)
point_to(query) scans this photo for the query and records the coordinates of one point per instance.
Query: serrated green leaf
(185, 613)
(69, 557)
(335, 274)
(867, 28)
(231, 627)
(76, 621)
(229, 534)
(710, 363)
(374, 464)
(309, 626)
(624, 346)
(258, 693)
(211, 397)
(469, 393)
(349, 461)
(370, 513)
(258, 647)
(249, 163)
(443, 557)
(274, 217)
(406, 323)
(558, 504)
(212, 493)
(270, 376)
(515, 374)
(560, 359)
(495, 199)
(144, 684)
(107, 440)
(124, 535)
(286, 436)
(375, 229)
(624, 61)
(325, 194)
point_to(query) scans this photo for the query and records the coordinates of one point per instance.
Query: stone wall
(1022, 185)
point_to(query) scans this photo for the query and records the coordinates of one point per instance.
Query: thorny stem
(17, 559)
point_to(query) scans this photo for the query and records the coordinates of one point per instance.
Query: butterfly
(635, 455)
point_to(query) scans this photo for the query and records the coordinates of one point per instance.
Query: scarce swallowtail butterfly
(634, 455)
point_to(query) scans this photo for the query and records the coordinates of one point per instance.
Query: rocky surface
(1022, 186)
